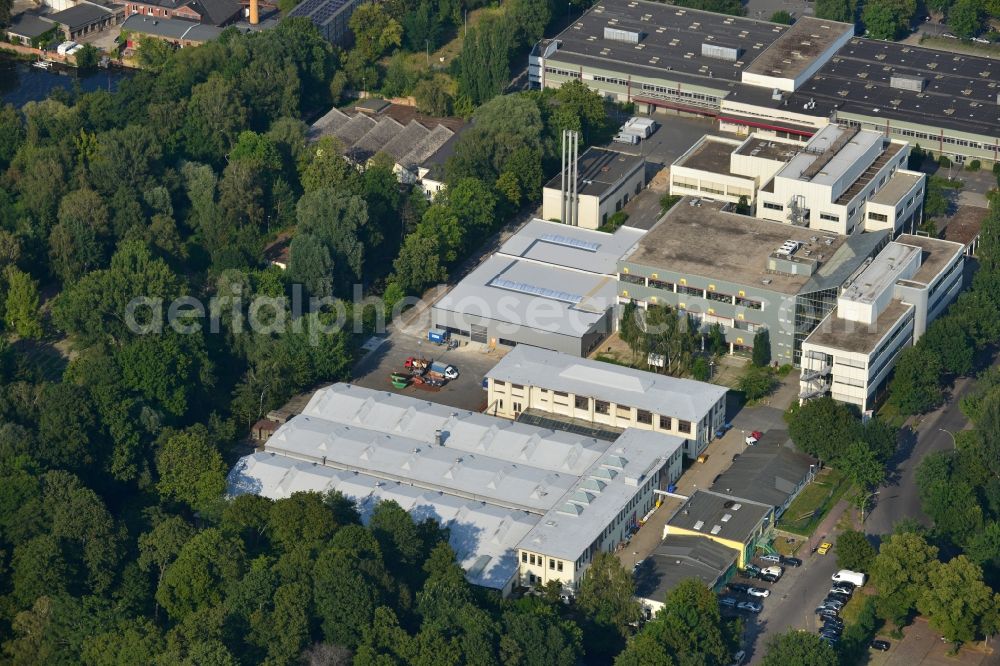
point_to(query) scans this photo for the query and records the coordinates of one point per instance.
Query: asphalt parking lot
(673, 136)
(466, 392)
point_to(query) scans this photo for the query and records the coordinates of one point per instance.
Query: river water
(21, 83)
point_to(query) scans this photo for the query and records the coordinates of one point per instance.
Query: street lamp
(865, 503)
(954, 443)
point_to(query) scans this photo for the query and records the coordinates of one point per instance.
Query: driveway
(900, 498)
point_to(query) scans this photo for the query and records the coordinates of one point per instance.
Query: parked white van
(852, 577)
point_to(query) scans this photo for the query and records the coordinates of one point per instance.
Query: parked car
(738, 658)
(759, 592)
(840, 588)
(771, 558)
(825, 612)
(773, 571)
(838, 597)
(834, 621)
(980, 40)
(769, 578)
(879, 644)
(739, 587)
(751, 606)
(824, 548)
(727, 601)
(856, 578)
(752, 570)
(948, 35)
(791, 561)
(833, 603)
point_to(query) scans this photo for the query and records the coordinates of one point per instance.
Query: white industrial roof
(895, 260)
(680, 398)
(494, 477)
(578, 520)
(840, 163)
(572, 247)
(522, 292)
(483, 536)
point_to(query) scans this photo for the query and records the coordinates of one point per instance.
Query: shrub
(974, 165)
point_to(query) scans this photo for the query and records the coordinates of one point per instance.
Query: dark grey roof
(401, 144)
(29, 25)
(601, 170)
(678, 558)
(216, 12)
(354, 129)
(706, 512)
(171, 28)
(80, 16)
(767, 473)
(375, 139)
(333, 120)
(671, 36)
(959, 92)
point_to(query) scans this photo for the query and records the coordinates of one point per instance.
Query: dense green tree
(862, 466)
(715, 342)
(798, 647)
(432, 97)
(310, 264)
(988, 431)
(900, 573)
(21, 304)
(691, 625)
(191, 469)
(948, 499)
(888, 19)
(630, 329)
(966, 18)
(338, 222)
(762, 348)
(579, 107)
(948, 340)
(345, 598)
(207, 563)
(484, 65)
(67, 428)
(957, 602)
(820, 427)
(375, 31)
(854, 551)
(40, 568)
(836, 10)
(607, 595)
(534, 635)
(756, 383)
(214, 116)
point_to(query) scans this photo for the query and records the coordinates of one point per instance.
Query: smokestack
(254, 13)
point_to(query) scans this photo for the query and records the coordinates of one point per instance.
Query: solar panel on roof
(558, 239)
(544, 292)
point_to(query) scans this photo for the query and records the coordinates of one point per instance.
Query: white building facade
(881, 311)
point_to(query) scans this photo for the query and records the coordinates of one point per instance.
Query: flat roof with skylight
(719, 515)
(799, 46)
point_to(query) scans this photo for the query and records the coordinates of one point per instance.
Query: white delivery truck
(641, 127)
(847, 576)
(626, 137)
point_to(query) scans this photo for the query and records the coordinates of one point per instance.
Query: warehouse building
(504, 490)
(738, 524)
(743, 273)
(679, 558)
(550, 285)
(786, 81)
(606, 181)
(883, 309)
(544, 381)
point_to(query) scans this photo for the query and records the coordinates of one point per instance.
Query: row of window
(610, 79)
(693, 291)
(947, 139)
(539, 560)
(562, 72)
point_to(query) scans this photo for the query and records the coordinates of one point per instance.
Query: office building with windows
(883, 309)
(606, 181)
(786, 81)
(743, 273)
(843, 180)
(531, 379)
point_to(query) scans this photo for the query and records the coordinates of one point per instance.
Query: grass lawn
(813, 503)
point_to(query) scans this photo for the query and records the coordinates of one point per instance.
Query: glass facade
(810, 310)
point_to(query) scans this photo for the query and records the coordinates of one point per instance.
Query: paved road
(899, 497)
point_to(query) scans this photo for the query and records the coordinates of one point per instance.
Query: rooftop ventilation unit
(619, 35)
(907, 82)
(719, 52)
